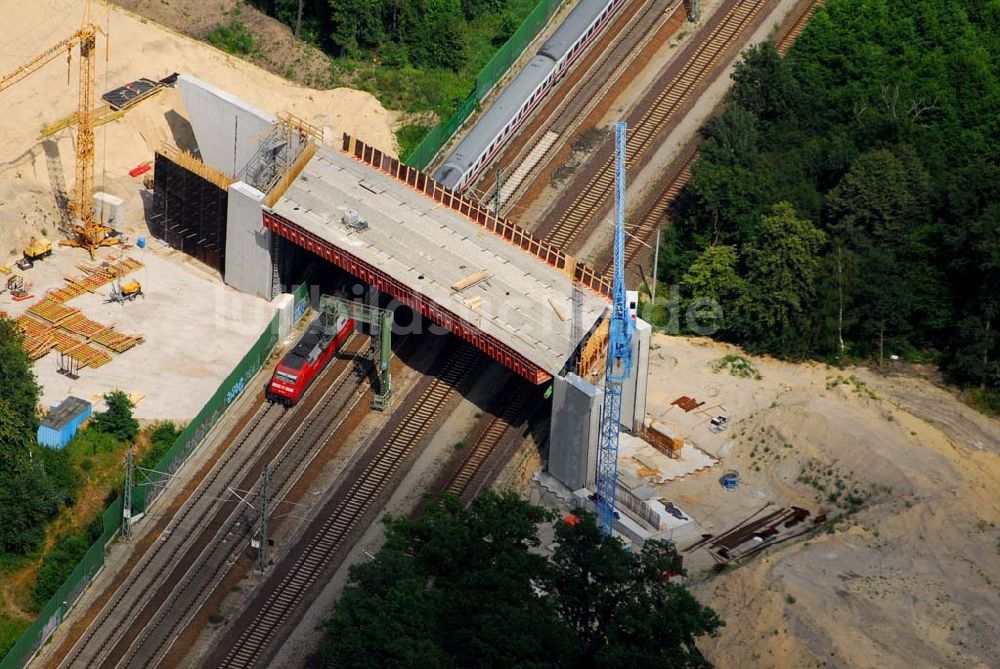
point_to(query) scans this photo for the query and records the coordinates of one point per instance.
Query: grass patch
(987, 401)
(737, 365)
(232, 37)
(11, 629)
(409, 136)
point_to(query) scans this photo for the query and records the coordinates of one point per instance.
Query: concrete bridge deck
(513, 305)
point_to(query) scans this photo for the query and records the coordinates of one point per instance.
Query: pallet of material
(86, 355)
(53, 311)
(664, 439)
(116, 341)
(132, 93)
(37, 336)
(79, 324)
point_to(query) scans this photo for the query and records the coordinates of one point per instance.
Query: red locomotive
(304, 362)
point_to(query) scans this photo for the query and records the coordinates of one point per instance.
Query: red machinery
(304, 362)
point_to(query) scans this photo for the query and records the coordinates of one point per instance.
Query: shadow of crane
(58, 182)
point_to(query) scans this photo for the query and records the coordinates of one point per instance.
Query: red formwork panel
(413, 299)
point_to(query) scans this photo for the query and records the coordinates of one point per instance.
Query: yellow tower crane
(87, 233)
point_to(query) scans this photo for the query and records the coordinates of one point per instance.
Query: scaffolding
(279, 151)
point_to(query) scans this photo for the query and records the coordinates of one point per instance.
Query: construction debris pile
(49, 323)
(753, 536)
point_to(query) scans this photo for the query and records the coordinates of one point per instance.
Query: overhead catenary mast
(619, 362)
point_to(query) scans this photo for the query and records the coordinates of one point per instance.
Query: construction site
(177, 224)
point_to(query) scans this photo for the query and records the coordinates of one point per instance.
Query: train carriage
(300, 366)
(523, 94)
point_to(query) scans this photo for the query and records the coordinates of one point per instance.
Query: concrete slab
(642, 462)
(195, 329)
(522, 302)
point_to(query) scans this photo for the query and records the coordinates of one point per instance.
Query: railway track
(366, 482)
(512, 413)
(588, 87)
(640, 234)
(577, 213)
(167, 550)
(164, 557)
(653, 216)
(207, 572)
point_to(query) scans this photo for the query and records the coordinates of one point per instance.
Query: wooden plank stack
(49, 323)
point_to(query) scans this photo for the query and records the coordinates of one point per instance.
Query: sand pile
(29, 168)
(912, 579)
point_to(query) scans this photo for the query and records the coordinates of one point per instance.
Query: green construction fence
(424, 153)
(149, 487)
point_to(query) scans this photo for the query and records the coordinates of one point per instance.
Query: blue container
(730, 480)
(141, 242)
(60, 425)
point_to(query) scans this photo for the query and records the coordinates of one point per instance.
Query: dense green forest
(847, 202)
(469, 588)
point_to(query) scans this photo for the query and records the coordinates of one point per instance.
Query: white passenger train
(523, 94)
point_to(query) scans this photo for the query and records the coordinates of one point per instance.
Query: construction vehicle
(125, 292)
(18, 288)
(87, 233)
(37, 249)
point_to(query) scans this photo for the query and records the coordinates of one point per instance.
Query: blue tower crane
(619, 364)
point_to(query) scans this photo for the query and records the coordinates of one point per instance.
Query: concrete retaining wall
(576, 410)
(634, 390)
(248, 243)
(228, 130)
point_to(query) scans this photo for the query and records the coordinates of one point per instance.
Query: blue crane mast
(619, 363)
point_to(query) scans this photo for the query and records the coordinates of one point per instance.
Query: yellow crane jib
(87, 233)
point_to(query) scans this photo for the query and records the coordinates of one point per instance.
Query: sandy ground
(195, 329)
(138, 48)
(911, 580)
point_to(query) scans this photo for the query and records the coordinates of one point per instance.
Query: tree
(622, 606)
(26, 497)
(781, 263)
(732, 139)
(117, 421)
(17, 380)
(32, 480)
(470, 588)
(712, 276)
(476, 8)
(356, 23)
(880, 126)
(882, 201)
(434, 32)
(762, 84)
